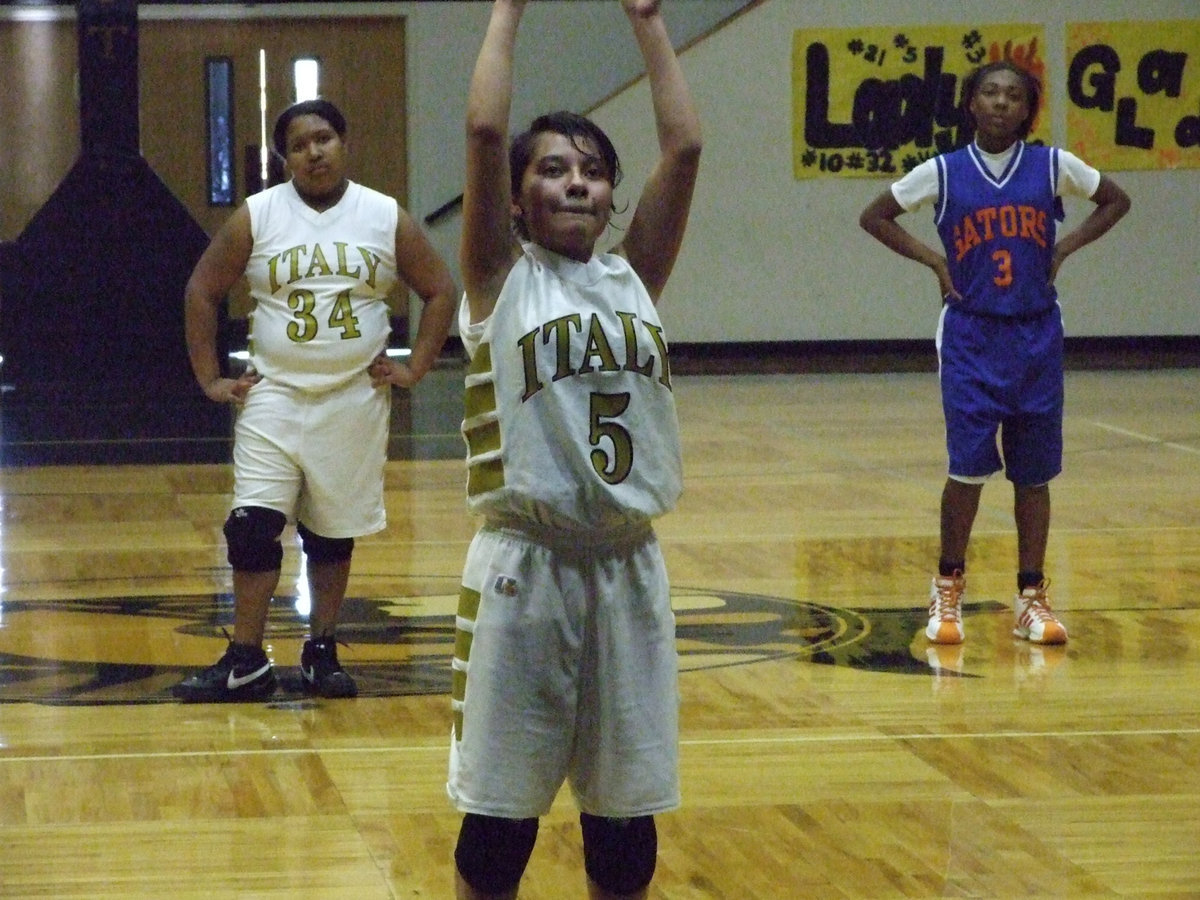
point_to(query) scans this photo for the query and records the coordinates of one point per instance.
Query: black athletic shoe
(242, 675)
(321, 672)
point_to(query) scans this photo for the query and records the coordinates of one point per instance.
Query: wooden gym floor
(827, 750)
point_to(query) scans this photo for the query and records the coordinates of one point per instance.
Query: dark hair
(577, 129)
(322, 108)
(1033, 93)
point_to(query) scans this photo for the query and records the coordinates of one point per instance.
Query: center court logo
(130, 650)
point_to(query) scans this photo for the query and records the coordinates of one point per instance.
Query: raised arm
(488, 249)
(656, 231)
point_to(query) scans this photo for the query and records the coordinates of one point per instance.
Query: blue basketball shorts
(1002, 377)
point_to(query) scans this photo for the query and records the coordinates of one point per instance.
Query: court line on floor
(927, 736)
(1147, 438)
(685, 743)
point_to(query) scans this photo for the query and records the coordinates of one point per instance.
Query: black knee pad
(619, 855)
(252, 536)
(320, 549)
(492, 853)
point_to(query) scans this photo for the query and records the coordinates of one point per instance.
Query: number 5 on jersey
(615, 468)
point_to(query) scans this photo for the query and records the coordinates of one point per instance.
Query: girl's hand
(945, 283)
(384, 371)
(641, 8)
(232, 390)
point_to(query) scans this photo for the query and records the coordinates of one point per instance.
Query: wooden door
(362, 72)
(39, 116)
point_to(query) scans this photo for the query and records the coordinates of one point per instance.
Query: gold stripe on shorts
(468, 610)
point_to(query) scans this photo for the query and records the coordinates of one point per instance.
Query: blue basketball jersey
(998, 231)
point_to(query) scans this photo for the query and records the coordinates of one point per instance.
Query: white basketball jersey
(570, 419)
(319, 282)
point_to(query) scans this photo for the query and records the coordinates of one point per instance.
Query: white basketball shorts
(315, 457)
(565, 670)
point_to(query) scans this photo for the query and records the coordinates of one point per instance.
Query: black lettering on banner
(1129, 133)
(1090, 89)
(898, 98)
(1092, 85)
(818, 130)
(886, 114)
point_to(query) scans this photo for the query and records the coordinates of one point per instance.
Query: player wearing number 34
(321, 254)
(1000, 338)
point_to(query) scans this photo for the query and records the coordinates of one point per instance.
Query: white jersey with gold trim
(319, 281)
(570, 418)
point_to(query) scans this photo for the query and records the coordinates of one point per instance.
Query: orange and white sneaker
(1035, 622)
(945, 609)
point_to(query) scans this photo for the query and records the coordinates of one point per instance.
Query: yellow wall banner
(1133, 91)
(877, 101)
